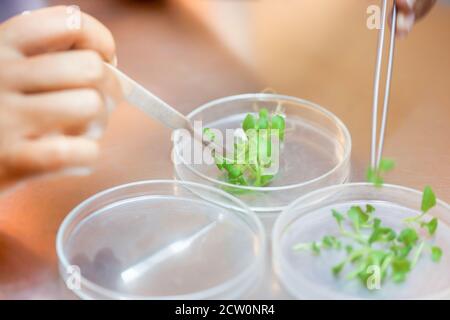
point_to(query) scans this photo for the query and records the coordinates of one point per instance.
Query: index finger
(56, 29)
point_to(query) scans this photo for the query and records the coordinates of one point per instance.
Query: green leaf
(386, 264)
(436, 254)
(315, 248)
(376, 223)
(263, 123)
(356, 256)
(405, 251)
(363, 216)
(208, 134)
(219, 162)
(233, 170)
(227, 166)
(279, 124)
(354, 218)
(428, 199)
(242, 181)
(249, 122)
(401, 251)
(263, 113)
(265, 180)
(376, 257)
(357, 216)
(380, 234)
(264, 149)
(327, 242)
(372, 176)
(401, 265)
(400, 268)
(330, 242)
(338, 216)
(370, 209)
(386, 165)
(399, 277)
(431, 226)
(408, 236)
(359, 271)
(337, 269)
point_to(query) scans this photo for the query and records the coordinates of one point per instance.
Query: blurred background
(191, 51)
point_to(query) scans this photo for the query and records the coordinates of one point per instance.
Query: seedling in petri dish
(368, 242)
(375, 175)
(254, 150)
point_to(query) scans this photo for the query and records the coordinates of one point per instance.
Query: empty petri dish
(161, 240)
(309, 276)
(316, 151)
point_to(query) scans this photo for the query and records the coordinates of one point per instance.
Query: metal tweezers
(376, 154)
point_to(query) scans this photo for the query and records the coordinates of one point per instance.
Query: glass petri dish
(316, 150)
(161, 240)
(308, 276)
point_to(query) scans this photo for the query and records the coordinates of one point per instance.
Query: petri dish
(161, 240)
(316, 150)
(308, 276)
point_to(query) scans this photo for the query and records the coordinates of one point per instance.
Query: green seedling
(375, 175)
(252, 154)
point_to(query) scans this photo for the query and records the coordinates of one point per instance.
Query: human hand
(53, 84)
(409, 12)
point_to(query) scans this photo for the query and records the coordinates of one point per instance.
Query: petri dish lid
(161, 240)
(308, 276)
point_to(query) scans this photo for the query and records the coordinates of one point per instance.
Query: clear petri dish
(161, 240)
(308, 276)
(316, 150)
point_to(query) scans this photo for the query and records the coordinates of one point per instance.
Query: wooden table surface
(189, 52)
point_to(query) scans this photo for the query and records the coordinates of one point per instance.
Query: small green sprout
(375, 175)
(431, 226)
(428, 199)
(436, 254)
